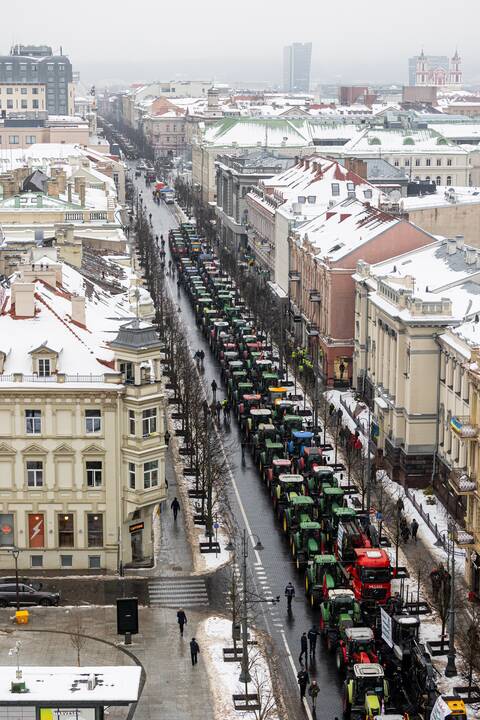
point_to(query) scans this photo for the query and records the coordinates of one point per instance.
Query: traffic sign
(216, 525)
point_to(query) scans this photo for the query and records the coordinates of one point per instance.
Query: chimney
(82, 194)
(39, 200)
(24, 299)
(69, 190)
(470, 256)
(78, 310)
(52, 188)
(451, 246)
(460, 241)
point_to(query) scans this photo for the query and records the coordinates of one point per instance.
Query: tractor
(247, 403)
(365, 692)
(301, 509)
(286, 487)
(320, 476)
(337, 612)
(289, 423)
(272, 450)
(279, 466)
(300, 439)
(265, 431)
(305, 543)
(357, 646)
(283, 407)
(257, 417)
(323, 573)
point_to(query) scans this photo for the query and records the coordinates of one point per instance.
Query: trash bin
(21, 617)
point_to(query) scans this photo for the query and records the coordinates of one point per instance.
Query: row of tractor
(347, 576)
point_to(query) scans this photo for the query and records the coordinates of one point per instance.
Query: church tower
(456, 70)
(421, 73)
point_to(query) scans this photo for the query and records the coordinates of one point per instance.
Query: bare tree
(469, 641)
(262, 687)
(77, 634)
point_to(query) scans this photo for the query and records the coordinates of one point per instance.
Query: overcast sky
(143, 40)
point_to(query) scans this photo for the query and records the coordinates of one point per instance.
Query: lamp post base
(451, 669)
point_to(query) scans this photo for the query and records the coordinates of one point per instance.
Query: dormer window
(335, 189)
(44, 367)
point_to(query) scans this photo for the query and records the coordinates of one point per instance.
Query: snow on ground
(214, 635)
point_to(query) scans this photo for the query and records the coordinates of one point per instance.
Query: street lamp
(451, 669)
(16, 552)
(245, 676)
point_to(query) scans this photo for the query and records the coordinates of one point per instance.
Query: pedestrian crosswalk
(177, 592)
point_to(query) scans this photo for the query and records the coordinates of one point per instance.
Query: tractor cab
(279, 466)
(291, 423)
(324, 573)
(276, 392)
(405, 635)
(242, 388)
(300, 439)
(271, 450)
(357, 646)
(338, 612)
(287, 486)
(266, 380)
(332, 520)
(332, 499)
(256, 417)
(319, 478)
(300, 509)
(366, 691)
(246, 404)
(283, 407)
(305, 543)
(311, 456)
(237, 377)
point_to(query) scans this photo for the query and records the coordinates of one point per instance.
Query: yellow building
(82, 421)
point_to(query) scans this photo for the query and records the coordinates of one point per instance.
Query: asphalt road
(272, 568)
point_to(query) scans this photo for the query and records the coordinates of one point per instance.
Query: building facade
(40, 69)
(297, 60)
(435, 70)
(82, 423)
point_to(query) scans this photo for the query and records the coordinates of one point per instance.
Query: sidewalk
(173, 688)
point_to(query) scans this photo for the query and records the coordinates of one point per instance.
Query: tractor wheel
(294, 549)
(298, 563)
(285, 523)
(339, 661)
(330, 643)
(313, 600)
(307, 584)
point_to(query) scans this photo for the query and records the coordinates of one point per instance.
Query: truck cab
(371, 575)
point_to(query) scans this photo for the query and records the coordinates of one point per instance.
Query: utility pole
(451, 669)
(245, 676)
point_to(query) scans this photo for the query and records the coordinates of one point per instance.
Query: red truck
(371, 575)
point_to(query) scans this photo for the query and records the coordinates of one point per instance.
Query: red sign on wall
(36, 530)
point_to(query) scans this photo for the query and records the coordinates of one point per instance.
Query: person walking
(214, 387)
(303, 680)
(303, 649)
(175, 506)
(218, 410)
(312, 639)
(313, 691)
(194, 650)
(289, 594)
(414, 529)
(182, 620)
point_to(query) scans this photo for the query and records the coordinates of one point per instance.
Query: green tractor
(257, 417)
(337, 612)
(283, 407)
(286, 487)
(272, 450)
(365, 692)
(289, 424)
(319, 477)
(301, 509)
(265, 431)
(323, 574)
(330, 525)
(279, 466)
(305, 543)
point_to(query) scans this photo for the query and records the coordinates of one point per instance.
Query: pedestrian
(194, 650)
(289, 594)
(218, 410)
(414, 529)
(312, 639)
(175, 506)
(435, 580)
(205, 411)
(202, 357)
(303, 680)
(182, 620)
(214, 387)
(303, 649)
(313, 691)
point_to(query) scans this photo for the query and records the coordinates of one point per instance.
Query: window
(9, 91)
(31, 139)
(439, 162)
(428, 162)
(407, 163)
(397, 163)
(36, 530)
(35, 104)
(34, 91)
(24, 104)
(302, 199)
(311, 199)
(65, 530)
(427, 178)
(149, 421)
(34, 473)
(23, 91)
(131, 423)
(417, 162)
(94, 562)
(9, 104)
(93, 421)
(449, 162)
(449, 179)
(95, 530)
(66, 560)
(36, 561)
(126, 368)
(131, 475)
(33, 422)
(13, 139)
(335, 189)
(94, 473)
(438, 180)
(44, 367)
(367, 194)
(150, 474)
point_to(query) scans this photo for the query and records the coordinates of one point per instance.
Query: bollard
(128, 638)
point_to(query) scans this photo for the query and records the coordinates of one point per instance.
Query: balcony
(294, 276)
(461, 482)
(463, 427)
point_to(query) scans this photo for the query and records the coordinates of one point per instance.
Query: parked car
(24, 580)
(27, 595)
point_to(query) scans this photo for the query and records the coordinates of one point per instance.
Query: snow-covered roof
(375, 141)
(114, 685)
(444, 197)
(343, 229)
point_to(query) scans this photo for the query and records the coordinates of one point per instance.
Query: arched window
(427, 178)
(439, 180)
(449, 179)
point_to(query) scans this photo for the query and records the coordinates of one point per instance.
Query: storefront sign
(6, 530)
(36, 530)
(67, 713)
(136, 527)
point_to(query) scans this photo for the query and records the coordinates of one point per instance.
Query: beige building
(19, 98)
(82, 422)
(409, 359)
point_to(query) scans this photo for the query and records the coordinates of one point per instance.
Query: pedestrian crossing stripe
(177, 592)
